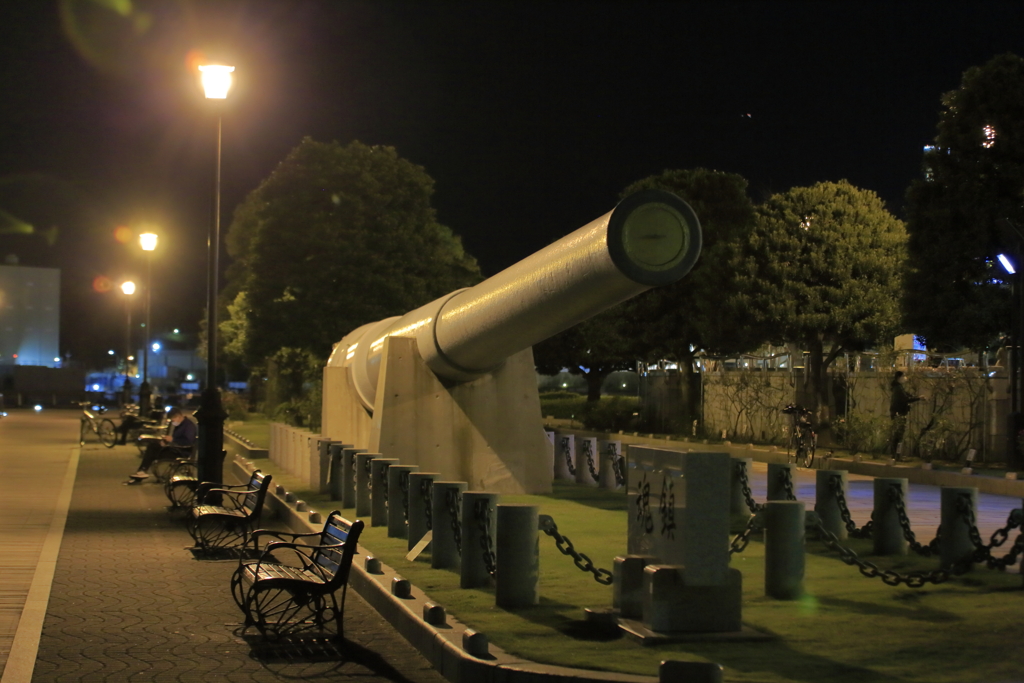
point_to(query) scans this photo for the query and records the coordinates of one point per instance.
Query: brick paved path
(129, 603)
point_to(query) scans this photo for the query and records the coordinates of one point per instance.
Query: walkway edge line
(21, 663)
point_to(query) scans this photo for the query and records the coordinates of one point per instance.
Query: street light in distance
(148, 242)
(128, 287)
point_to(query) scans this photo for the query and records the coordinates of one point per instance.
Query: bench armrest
(217, 487)
(302, 551)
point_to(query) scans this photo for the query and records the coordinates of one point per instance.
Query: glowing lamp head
(148, 241)
(216, 80)
(128, 287)
(1007, 264)
(156, 347)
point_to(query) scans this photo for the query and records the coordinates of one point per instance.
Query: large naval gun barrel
(651, 238)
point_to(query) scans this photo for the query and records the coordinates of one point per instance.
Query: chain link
(403, 484)
(618, 464)
(384, 480)
(566, 453)
(754, 524)
(482, 515)
(982, 552)
(369, 474)
(741, 469)
(786, 479)
(835, 482)
(453, 500)
(427, 493)
(565, 546)
(589, 452)
(896, 498)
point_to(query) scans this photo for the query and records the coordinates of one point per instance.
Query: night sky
(530, 116)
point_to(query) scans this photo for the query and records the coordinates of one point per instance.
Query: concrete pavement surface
(129, 603)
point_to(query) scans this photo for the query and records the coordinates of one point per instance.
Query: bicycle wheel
(108, 435)
(83, 429)
(808, 459)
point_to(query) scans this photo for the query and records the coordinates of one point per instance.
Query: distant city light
(1007, 264)
(990, 137)
(57, 359)
(189, 377)
(156, 347)
(95, 387)
(110, 352)
(38, 408)
(131, 357)
(175, 330)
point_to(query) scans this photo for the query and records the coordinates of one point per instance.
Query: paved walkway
(129, 603)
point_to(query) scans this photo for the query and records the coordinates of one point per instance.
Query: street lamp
(147, 241)
(128, 288)
(216, 80)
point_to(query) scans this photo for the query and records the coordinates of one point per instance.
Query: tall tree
(337, 236)
(962, 212)
(823, 269)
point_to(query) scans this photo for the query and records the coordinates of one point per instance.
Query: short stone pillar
(517, 547)
(565, 457)
(379, 490)
(586, 461)
(398, 499)
(478, 520)
(628, 584)
(672, 671)
(955, 542)
(364, 481)
(739, 511)
(420, 507)
(826, 504)
(887, 532)
(323, 469)
(612, 468)
(348, 475)
(777, 480)
(549, 453)
(784, 549)
(335, 475)
(446, 517)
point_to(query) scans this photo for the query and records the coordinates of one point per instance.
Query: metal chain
(384, 480)
(482, 515)
(889, 577)
(564, 545)
(896, 498)
(835, 482)
(589, 452)
(453, 499)
(369, 474)
(754, 524)
(427, 493)
(568, 456)
(982, 552)
(403, 484)
(1010, 558)
(786, 478)
(745, 487)
(618, 463)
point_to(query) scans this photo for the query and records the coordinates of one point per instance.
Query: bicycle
(91, 422)
(803, 439)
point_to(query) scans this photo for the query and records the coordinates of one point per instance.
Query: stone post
(826, 503)
(586, 461)
(739, 511)
(887, 532)
(349, 475)
(420, 507)
(610, 457)
(444, 551)
(565, 457)
(398, 499)
(776, 480)
(364, 481)
(518, 555)
(784, 553)
(335, 486)
(955, 542)
(379, 490)
(476, 522)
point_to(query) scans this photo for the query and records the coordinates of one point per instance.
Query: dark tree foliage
(337, 236)
(962, 213)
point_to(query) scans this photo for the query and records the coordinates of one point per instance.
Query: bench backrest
(338, 561)
(258, 485)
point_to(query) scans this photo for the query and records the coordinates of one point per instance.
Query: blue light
(95, 387)
(1007, 264)
(156, 347)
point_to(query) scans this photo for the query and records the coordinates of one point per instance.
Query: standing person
(176, 444)
(899, 408)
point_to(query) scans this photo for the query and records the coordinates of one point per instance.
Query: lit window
(990, 137)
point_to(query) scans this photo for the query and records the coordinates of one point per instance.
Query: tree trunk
(595, 380)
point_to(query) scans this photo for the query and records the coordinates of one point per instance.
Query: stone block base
(670, 605)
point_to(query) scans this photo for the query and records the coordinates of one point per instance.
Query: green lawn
(847, 628)
(255, 429)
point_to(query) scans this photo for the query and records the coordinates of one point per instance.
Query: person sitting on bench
(176, 444)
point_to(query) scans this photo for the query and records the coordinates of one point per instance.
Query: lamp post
(216, 80)
(147, 241)
(128, 288)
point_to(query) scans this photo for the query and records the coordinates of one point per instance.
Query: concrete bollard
(348, 475)
(323, 462)
(364, 481)
(628, 584)
(825, 502)
(776, 480)
(672, 671)
(955, 542)
(739, 511)
(398, 499)
(565, 457)
(473, 568)
(379, 490)
(335, 485)
(610, 461)
(444, 551)
(420, 509)
(784, 549)
(517, 546)
(887, 532)
(586, 461)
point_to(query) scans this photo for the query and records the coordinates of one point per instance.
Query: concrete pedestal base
(671, 605)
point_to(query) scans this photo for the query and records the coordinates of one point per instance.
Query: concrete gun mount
(451, 386)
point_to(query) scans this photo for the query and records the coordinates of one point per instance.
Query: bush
(612, 413)
(562, 405)
(235, 405)
(862, 433)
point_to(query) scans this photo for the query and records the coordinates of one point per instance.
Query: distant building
(29, 316)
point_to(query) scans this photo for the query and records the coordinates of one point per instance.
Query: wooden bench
(298, 596)
(229, 524)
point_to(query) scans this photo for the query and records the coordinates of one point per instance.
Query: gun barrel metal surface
(651, 238)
